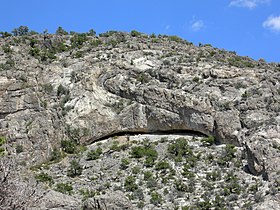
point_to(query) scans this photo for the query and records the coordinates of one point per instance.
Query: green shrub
(208, 141)
(86, 193)
(55, 154)
(213, 176)
(181, 186)
(95, 43)
(20, 31)
(162, 165)
(73, 134)
(156, 198)
(2, 151)
(147, 175)
(141, 205)
(135, 33)
(240, 62)
(196, 79)
(232, 185)
(10, 63)
(5, 34)
(64, 188)
(91, 32)
(60, 47)
(228, 155)
(2, 142)
(153, 36)
(78, 54)
(78, 40)
(7, 49)
(219, 202)
(230, 150)
(166, 62)
(61, 90)
(124, 163)
(34, 51)
(47, 56)
(176, 39)
(48, 88)
(179, 149)
(204, 204)
(94, 154)
(32, 32)
(187, 172)
(136, 170)
(130, 184)
(69, 146)
(108, 33)
(75, 169)
(61, 31)
(187, 207)
(143, 151)
(245, 95)
(19, 148)
(44, 177)
(115, 146)
(143, 78)
(33, 42)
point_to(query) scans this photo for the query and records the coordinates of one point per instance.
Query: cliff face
(61, 92)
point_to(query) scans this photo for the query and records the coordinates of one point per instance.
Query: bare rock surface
(60, 94)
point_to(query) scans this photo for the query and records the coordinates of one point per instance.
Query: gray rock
(114, 200)
(134, 85)
(58, 201)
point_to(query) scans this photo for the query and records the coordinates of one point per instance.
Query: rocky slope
(72, 106)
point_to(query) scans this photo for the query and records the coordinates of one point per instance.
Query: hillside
(136, 121)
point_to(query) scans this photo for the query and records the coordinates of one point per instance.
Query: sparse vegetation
(135, 33)
(2, 142)
(78, 40)
(124, 163)
(179, 149)
(156, 198)
(228, 155)
(19, 148)
(162, 165)
(130, 184)
(240, 62)
(145, 151)
(94, 154)
(176, 39)
(150, 84)
(44, 177)
(20, 31)
(55, 154)
(61, 31)
(69, 146)
(208, 141)
(7, 49)
(64, 188)
(75, 169)
(196, 79)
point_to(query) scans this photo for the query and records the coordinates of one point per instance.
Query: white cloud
(251, 4)
(197, 25)
(167, 27)
(272, 23)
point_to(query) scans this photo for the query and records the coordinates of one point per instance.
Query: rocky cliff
(74, 107)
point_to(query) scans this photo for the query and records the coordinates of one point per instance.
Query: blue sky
(249, 27)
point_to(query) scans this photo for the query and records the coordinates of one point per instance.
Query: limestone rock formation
(81, 89)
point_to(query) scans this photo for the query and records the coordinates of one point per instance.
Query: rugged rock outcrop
(59, 89)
